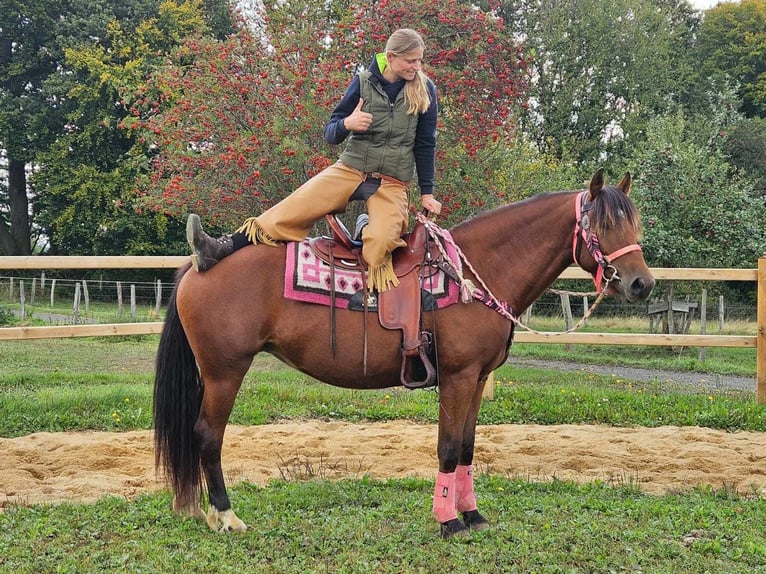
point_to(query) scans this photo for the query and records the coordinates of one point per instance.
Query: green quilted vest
(386, 147)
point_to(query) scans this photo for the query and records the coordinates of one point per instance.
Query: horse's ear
(624, 184)
(596, 184)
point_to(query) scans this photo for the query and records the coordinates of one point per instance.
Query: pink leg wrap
(465, 499)
(444, 508)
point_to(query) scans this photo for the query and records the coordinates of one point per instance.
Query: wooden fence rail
(757, 341)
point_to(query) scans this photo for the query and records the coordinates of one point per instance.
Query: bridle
(584, 235)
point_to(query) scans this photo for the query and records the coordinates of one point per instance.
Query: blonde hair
(400, 43)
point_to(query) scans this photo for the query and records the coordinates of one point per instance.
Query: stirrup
(361, 222)
(406, 374)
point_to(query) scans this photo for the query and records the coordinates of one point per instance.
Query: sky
(703, 4)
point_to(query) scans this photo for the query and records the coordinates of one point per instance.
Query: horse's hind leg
(217, 402)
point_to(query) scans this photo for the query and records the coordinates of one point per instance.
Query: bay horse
(218, 320)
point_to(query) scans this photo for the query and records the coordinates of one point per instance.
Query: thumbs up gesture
(358, 121)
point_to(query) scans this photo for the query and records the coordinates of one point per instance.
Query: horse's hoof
(453, 528)
(474, 520)
(225, 521)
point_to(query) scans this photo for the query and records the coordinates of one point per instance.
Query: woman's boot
(206, 251)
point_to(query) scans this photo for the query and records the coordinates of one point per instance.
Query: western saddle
(398, 308)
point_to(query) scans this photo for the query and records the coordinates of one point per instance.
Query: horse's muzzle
(637, 288)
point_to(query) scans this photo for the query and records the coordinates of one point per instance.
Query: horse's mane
(612, 208)
(509, 207)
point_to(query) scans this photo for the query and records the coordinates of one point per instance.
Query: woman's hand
(429, 203)
(358, 121)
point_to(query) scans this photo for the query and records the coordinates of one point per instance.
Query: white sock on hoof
(225, 521)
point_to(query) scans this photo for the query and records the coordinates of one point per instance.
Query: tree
(86, 179)
(240, 126)
(745, 148)
(600, 69)
(27, 33)
(732, 44)
(39, 107)
(696, 209)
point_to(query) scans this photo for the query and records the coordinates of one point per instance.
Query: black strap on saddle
(362, 193)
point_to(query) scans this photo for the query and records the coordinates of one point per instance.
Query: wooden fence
(758, 341)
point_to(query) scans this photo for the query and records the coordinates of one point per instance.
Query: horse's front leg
(217, 403)
(456, 405)
(459, 404)
(465, 498)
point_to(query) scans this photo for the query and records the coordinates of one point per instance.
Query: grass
(366, 525)
(72, 384)
(360, 526)
(97, 312)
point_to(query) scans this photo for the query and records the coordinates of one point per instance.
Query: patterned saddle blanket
(308, 279)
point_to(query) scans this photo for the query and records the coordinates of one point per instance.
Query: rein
(582, 234)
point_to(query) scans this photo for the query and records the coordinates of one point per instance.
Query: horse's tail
(177, 398)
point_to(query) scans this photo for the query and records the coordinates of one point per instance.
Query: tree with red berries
(235, 125)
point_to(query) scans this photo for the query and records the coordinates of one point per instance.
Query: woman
(388, 117)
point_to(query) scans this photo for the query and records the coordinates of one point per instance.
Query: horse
(218, 320)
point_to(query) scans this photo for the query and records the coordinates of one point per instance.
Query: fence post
(32, 292)
(703, 321)
(527, 315)
(53, 290)
(23, 300)
(760, 360)
(86, 295)
(720, 313)
(133, 301)
(119, 298)
(158, 305)
(76, 304)
(566, 308)
(488, 394)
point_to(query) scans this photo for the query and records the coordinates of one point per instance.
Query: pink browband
(582, 231)
(623, 250)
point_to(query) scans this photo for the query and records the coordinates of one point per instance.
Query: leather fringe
(383, 277)
(255, 233)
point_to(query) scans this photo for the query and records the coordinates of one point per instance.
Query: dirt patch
(84, 466)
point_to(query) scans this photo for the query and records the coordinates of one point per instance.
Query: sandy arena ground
(84, 466)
